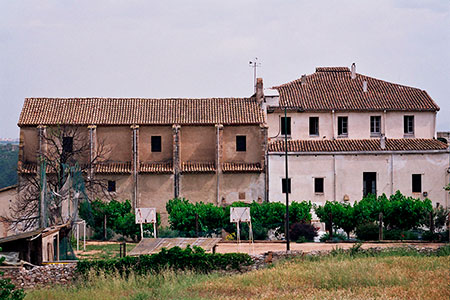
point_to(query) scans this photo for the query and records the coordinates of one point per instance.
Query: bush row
(400, 214)
(191, 219)
(193, 259)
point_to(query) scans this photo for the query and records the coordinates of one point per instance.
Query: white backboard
(145, 215)
(241, 214)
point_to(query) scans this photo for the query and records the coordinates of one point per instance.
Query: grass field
(339, 277)
(102, 250)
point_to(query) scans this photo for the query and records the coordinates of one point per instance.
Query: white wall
(358, 124)
(349, 175)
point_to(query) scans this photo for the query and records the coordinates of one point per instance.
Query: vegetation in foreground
(398, 274)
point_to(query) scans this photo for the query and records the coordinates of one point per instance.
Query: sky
(202, 48)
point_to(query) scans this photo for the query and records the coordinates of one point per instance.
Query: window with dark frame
(417, 183)
(408, 124)
(313, 125)
(285, 130)
(156, 143)
(318, 185)
(375, 125)
(111, 185)
(342, 126)
(285, 187)
(241, 143)
(67, 144)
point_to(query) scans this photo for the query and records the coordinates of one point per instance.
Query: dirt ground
(260, 248)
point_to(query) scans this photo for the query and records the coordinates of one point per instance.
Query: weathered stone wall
(40, 276)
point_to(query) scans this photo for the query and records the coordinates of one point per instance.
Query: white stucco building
(350, 135)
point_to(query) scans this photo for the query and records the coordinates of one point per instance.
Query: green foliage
(8, 290)
(119, 218)
(398, 234)
(187, 217)
(8, 164)
(337, 237)
(367, 232)
(192, 259)
(302, 232)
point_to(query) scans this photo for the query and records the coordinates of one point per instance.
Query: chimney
(353, 70)
(383, 142)
(365, 86)
(303, 80)
(259, 91)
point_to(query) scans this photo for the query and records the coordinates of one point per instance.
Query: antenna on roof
(254, 64)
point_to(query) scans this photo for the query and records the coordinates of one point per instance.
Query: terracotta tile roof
(120, 111)
(158, 168)
(113, 168)
(346, 145)
(331, 88)
(197, 167)
(26, 168)
(241, 167)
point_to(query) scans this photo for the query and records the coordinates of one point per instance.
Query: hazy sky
(187, 48)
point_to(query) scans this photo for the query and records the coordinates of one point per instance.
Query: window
(156, 143)
(285, 187)
(111, 186)
(369, 183)
(313, 125)
(375, 125)
(67, 144)
(417, 183)
(318, 185)
(241, 143)
(408, 124)
(343, 126)
(285, 128)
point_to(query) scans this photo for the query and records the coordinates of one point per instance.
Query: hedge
(193, 259)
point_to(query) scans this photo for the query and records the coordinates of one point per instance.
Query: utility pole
(254, 64)
(287, 179)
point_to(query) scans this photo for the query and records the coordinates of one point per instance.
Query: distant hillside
(8, 164)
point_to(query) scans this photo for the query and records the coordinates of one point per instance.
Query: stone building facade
(210, 150)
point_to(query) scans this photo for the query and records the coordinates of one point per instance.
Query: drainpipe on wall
(333, 117)
(176, 159)
(334, 177)
(392, 173)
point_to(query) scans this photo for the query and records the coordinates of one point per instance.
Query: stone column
(92, 149)
(135, 163)
(176, 159)
(219, 151)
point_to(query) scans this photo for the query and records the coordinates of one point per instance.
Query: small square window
(67, 144)
(285, 187)
(241, 143)
(318, 185)
(342, 126)
(241, 195)
(285, 127)
(156, 143)
(417, 183)
(375, 125)
(313, 125)
(111, 185)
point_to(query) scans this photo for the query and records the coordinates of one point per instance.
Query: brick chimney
(259, 91)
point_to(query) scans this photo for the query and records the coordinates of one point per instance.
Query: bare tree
(66, 153)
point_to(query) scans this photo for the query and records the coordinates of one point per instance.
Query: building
(350, 135)
(7, 196)
(210, 150)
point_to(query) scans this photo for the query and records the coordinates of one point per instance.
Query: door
(369, 183)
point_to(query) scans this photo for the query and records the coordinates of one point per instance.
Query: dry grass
(327, 278)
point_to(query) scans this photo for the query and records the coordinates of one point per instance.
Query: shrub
(398, 234)
(302, 230)
(8, 290)
(367, 232)
(193, 259)
(337, 237)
